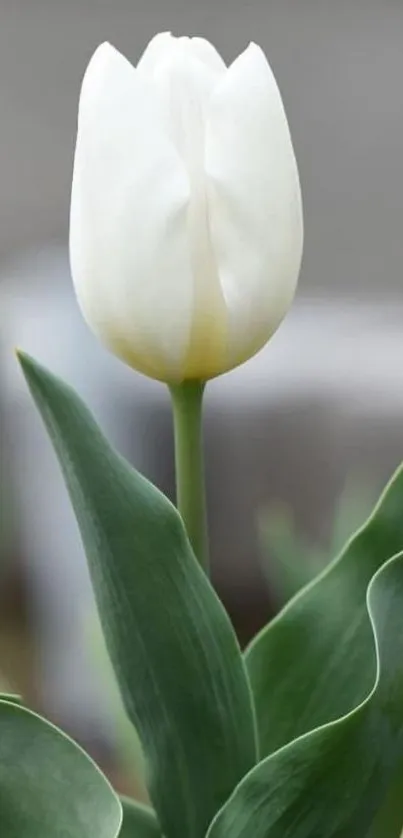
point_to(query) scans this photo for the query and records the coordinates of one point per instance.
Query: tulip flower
(186, 224)
(186, 219)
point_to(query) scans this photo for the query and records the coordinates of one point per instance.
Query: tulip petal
(202, 49)
(165, 44)
(185, 85)
(156, 50)
(129, 251)
(255, 207)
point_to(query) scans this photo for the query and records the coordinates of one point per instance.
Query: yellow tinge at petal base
(207, 355)
(186, 217)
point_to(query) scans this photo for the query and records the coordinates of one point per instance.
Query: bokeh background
(298, 441)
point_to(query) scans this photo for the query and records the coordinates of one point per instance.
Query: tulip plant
(186, 240)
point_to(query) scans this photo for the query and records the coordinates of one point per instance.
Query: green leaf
(11, 698)
(176, 657)
(49, 788)
(389, 819)
(311, 664)
(138, 821)
(331, 782)
(128, 747)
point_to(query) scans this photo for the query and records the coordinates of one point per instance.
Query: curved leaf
(138, 821)
(49, 788)
(330, 783)
(175, 654)
(12, 698)
(311, 663)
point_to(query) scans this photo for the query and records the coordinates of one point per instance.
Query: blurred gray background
(321, 405)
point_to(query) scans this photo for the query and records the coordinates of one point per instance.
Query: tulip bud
(186, 219)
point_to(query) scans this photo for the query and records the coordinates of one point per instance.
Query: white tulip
(186, 219)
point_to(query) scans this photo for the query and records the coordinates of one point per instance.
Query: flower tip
(102, 56)
(256, 48)
(105, 61)
(103, 51)
(105, 45)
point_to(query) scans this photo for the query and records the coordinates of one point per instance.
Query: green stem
(187, 399)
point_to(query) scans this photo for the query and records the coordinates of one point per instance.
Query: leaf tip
(24, 360)
(31, 369)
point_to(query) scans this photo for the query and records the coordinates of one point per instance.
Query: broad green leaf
(389, 819)
(49, 788)
(11, 698)
(127, 743)
(173, 648)
(331, 782)
(311, 664)
(138, 821)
